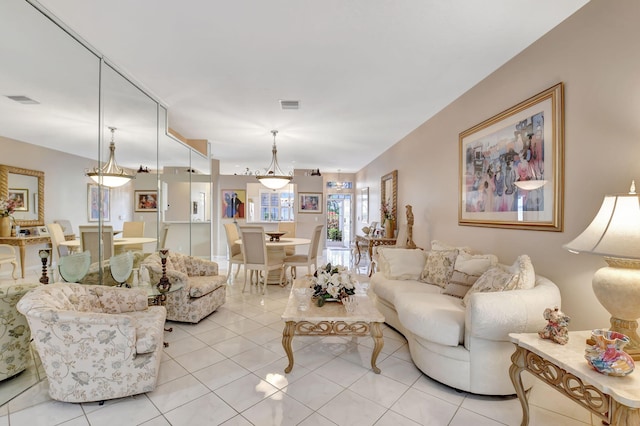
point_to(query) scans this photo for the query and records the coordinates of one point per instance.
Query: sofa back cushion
(401, 264)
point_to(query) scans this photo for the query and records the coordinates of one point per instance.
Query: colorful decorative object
(607, 356)
(332, 283)
(556, 329)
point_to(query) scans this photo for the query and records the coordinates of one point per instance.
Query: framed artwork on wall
(98, 203)
(364, 204)
(146, 201)
(310, 202)
(233, 203)
(20, 198)
(511, 166)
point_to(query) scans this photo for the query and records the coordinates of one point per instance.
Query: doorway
(339, 225)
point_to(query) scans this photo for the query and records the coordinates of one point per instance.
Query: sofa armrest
(201, 267)
(492, 316)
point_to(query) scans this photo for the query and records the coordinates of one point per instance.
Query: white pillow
(401, 264)
(466, 271)
(495, 279)
(523, 268)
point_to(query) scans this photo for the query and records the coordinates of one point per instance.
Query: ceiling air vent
(23, 99)
(290, 104)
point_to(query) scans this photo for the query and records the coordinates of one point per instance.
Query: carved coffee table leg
(287, 337)
(376, 333)
(517, 367)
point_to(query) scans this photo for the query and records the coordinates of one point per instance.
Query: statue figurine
(556, 329)
(410, 244)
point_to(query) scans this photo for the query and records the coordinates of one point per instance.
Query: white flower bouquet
(332, 282)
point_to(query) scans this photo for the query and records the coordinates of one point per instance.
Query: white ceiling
(366, 72)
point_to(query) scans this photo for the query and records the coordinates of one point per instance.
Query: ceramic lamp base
(616, 287)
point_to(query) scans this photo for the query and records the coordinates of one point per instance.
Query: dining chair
(74, 267)
(98, 246)
(290, 229)
(234, 250)
(164, 232)
(133, 229)
(254, 251)
(56, 235)
(67, 229)
(8, 255)
(311, 258)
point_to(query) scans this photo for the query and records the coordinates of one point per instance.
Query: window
(276, 206)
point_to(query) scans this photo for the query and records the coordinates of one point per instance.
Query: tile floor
(228, 369)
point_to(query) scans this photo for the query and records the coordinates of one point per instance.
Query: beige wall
(594, 53)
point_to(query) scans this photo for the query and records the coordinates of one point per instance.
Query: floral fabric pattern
(15, 334)
(203, 289)
(495, 279)
(439, 267)
(89, 354)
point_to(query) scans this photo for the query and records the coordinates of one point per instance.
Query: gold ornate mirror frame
(4, 191)
(389, 193)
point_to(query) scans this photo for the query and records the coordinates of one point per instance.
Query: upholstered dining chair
(56, 235)
(254, 251)
(290, 229)
(91, 240)
(133, 229)
(8, 255)
(311, 258)
(234, 250)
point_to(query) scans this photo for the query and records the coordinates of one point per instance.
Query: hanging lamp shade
(110, 174)
(274, 177)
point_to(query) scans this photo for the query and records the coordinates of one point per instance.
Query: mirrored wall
(58, 99)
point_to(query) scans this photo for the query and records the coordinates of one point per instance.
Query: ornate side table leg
(621, 415)
(517, 367)
(287, 337)
(376, 333)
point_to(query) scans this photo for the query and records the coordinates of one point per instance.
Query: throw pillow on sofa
(466, 271)
(401, 264)
(523, 268)
(439, 267)
(495, 279)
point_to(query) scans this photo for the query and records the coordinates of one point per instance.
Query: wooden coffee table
(332, 319)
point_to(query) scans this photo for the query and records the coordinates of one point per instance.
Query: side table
(615, 400)
(158, 299)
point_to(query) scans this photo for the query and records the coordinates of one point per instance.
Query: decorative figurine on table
(556, 329)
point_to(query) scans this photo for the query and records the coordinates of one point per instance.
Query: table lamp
(615, 234)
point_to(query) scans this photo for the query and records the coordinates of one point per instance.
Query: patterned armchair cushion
(89, 354)
(15, 335)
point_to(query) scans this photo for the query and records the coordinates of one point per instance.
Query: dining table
(117, 242)
(276, 250)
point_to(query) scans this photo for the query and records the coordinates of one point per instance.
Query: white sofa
(463, 346)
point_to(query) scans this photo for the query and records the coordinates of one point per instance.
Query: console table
(615, 400)
(23, 242)
(370, 243)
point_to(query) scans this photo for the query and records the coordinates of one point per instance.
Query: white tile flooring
(228, 369)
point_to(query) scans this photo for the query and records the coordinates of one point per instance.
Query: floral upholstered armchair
(203, 290)
(95, 342)
(15, 336)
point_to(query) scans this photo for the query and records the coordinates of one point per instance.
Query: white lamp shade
(274, 182)
(614, 232)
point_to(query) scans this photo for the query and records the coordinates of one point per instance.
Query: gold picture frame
(389, 194)
(511, 166)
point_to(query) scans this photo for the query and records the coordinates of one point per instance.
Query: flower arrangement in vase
(332, 283)
(7, 207)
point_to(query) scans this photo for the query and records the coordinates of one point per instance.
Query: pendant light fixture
(110, 174)
(274, 177)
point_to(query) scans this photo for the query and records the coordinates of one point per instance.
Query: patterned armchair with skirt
(203, 289)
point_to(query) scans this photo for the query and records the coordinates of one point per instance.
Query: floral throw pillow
(523, 268)
(439, 267)
(495, 279)
(466, 271)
